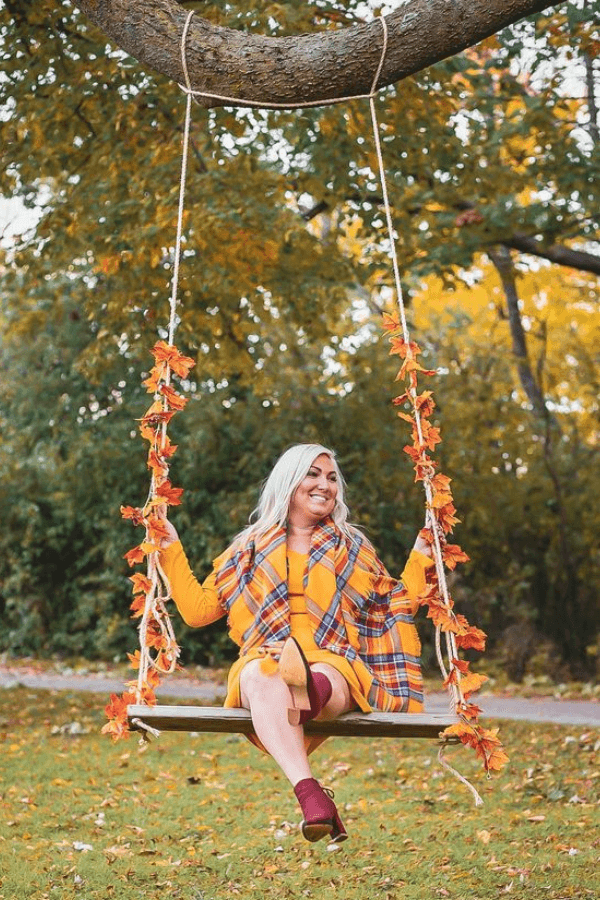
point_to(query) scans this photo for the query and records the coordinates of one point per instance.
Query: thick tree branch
(563, 256)
(304, 68)
(524, 243)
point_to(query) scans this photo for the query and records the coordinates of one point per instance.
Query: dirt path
(561, 712)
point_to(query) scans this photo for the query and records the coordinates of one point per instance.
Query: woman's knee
(256, 683)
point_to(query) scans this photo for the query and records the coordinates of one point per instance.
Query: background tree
(488, 153)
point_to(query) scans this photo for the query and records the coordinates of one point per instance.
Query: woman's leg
(268, 699)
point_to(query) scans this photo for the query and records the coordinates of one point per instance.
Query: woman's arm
(197, 603)
(414, 575)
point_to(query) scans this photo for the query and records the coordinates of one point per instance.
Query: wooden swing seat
(238, 721)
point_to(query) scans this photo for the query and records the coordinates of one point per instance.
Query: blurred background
(492, 161)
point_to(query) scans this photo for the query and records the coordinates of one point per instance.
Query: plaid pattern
(356, 608)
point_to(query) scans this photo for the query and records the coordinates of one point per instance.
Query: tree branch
(524, 243)
(303, 68)
(563, 256)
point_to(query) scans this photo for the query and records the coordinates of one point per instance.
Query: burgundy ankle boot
(321, 817)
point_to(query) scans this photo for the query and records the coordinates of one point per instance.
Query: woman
(322, 627)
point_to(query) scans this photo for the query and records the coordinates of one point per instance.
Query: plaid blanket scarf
(355, 607)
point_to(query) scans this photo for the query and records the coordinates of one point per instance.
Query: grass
(208, 817)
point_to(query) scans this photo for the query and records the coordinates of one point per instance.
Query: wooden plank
(354, 724)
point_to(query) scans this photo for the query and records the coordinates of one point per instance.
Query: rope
(146, 729)
(454, 690)
(446, 765)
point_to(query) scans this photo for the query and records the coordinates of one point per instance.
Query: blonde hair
(274, 501)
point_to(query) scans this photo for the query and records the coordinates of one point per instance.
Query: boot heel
(294, 670)
(338, 832)
(300, 702)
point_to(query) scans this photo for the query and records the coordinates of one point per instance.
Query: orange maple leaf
(472, 638)
(425, 403)
(137, 606)
(135, 555)
(471, 683)
(134, 659)
(134, 513)
(175, 400)
(490, 749)
(442, 617)
(169, 494)
(157, 464)
(496, 759)
(155, 637)
(141, 583)
(441, 482)
(156, 375)
(390, 322)
(468, 710)
(453, 555)
(167, 449)
(403, 349)
(462, 665)
(445, 516)
(157, 529)
(116, 713)
(156, 415)
(466, 733)
(462, 624)
(440, 499)
(170, 355)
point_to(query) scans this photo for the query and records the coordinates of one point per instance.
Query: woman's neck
(299, 536)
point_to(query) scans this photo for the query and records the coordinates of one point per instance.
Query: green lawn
(209, 817)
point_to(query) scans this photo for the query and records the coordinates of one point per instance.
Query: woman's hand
(161, 512)
(421, 546)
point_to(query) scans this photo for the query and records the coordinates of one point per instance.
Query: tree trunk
(502, 260)
(302, 69)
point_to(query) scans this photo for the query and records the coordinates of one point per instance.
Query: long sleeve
(413, 577)
(197, 603)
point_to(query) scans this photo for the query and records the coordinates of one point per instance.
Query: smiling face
(314, 498)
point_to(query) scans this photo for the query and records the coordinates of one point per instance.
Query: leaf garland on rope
(441, 518)
(159, 649)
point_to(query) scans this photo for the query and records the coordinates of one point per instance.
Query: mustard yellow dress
(199, 605)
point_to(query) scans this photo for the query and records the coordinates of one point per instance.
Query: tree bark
(301, 69)
(502, 260)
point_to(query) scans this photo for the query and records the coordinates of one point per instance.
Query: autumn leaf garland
(458, 633)
(159, 650)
